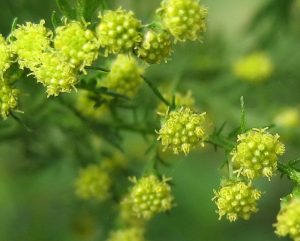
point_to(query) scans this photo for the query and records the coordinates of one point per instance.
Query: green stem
(243, 115)
(156, 92)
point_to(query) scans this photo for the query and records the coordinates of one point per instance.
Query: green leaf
(66, 9)
(86, 9)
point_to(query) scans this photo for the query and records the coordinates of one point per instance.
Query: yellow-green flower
(129, 234)
(150, 196)
(77, 44)
(288, 219)
(4, 56)
(184, 100)
(93, 182)
(155, 47)
(182, 130)
(255, 68)
(55, 74)
(118, 31)
(288, 118)
(256, 153)
(235, 200)
(124, 77)
(8, 98)
(28, 42)
(184, 19)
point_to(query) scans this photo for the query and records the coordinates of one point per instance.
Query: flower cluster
(28, 42)
(77, 44)
(124, 77)
(288, 219)
(254, 68)
(55, 74)
(129, 234)
(119, 31)
(8, 99)
(4, 56)
(185, 19)
(93, 183)
(182, 130)
(256, 153)
(288, 118)
(150, 196)
(155, 47)
(235, 199)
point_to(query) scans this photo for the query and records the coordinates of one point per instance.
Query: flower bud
(124, 77)
(29, 41)
(254, 68)
(288, 218)
(184, 19)
(256, 153)
(182, 130)
(8, 99)
(236, 199)
(4, 56)
(77, 44)
(150, 196)
(155, 47)
(93, 182)
(55, 74)
(118, 31)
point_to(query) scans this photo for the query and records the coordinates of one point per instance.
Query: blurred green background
(37, 169)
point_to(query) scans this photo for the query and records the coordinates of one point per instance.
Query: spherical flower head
(28, 41)
(184, 100)
(8, 99)
(129, 234)
(124, 77)
(235, 199)
(127, 216)
(55, 74)
(254, 68)
(184, 19)
(118, 31)
(182, 130)
(256, 153)
(86, 104)
(288, 219)
(155, 48)
(287, 118)
(93, 183)
(150, 196)
(77, 43)
(4, 56)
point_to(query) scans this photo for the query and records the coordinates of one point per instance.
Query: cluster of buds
(8, 98)
(150, 196)
(288, 218)
(235, 199)
(254, 68)
(124, 77)
(93, 182)
(256, 153)
(77, 44)
(5, 55)
(185, 19)
(182, 130)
